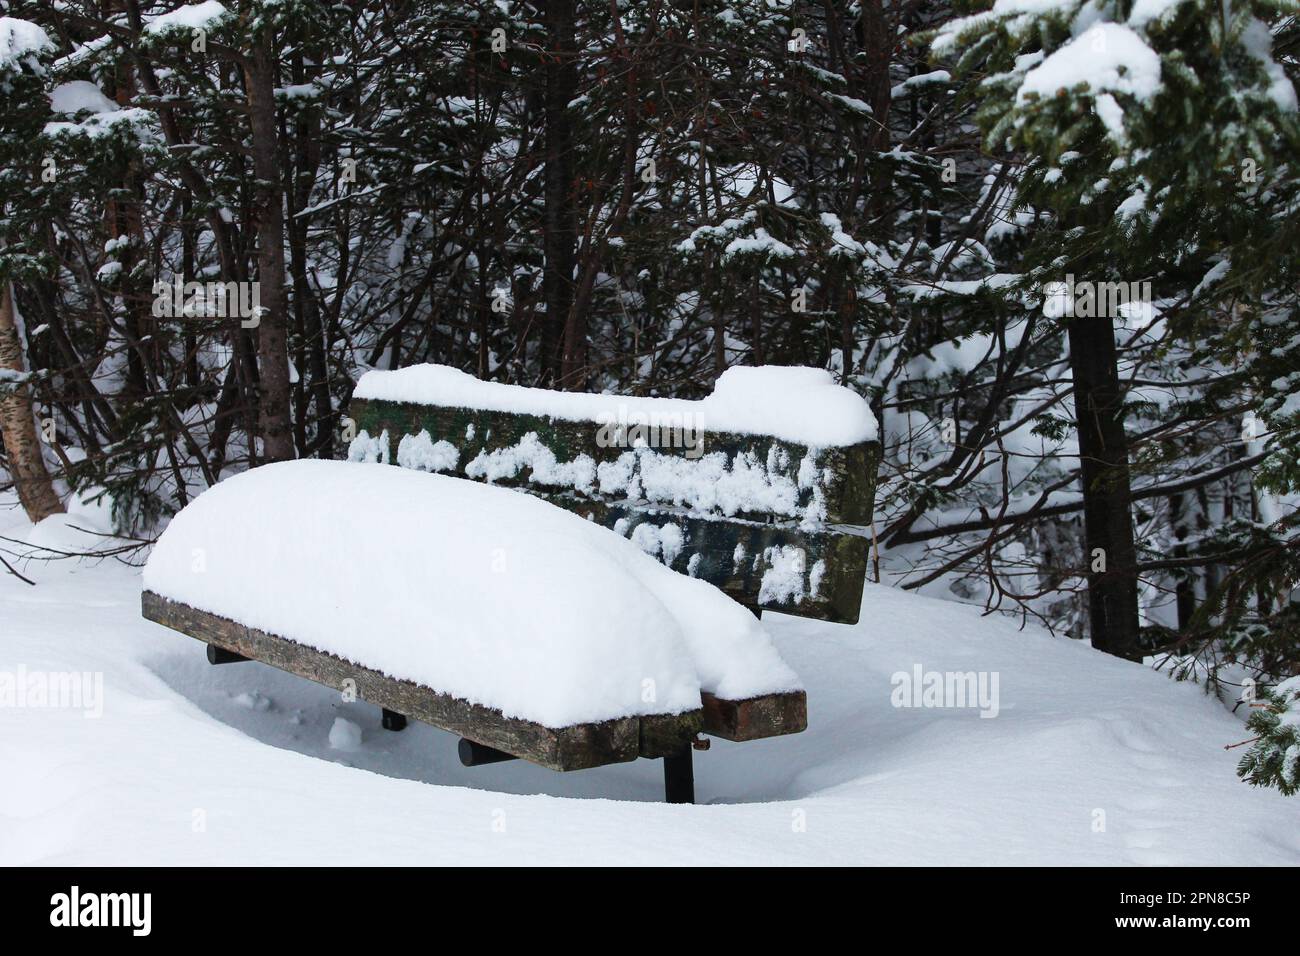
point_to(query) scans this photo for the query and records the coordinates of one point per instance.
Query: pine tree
(1159, 136)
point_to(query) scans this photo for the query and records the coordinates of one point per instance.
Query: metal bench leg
(476, 755)
(679, 778)
(219, 655)
(392, 720)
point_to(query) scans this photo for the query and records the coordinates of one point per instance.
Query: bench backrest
(775, 524)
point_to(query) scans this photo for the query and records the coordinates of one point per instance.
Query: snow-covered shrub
(1274, 758)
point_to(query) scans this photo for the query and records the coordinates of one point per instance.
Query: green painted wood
(734, 556)
(801, 519)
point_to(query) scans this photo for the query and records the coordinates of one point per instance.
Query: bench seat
(575, 747)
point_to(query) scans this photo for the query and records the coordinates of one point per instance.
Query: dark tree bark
(1185, 589)
(560, 235)
(307, 309)
(1104, 467)
(272, 339)
(123, 211)
(878, 42)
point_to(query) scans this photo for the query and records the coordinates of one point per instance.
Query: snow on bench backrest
(764, 488)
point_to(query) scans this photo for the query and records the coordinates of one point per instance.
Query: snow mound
(86, 528)
(71, 98)
(492, 596)
(802, 405)
(345, 735)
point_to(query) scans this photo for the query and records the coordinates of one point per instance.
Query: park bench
(775, 523)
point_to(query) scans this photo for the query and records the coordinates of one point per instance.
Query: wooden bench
(797, 543)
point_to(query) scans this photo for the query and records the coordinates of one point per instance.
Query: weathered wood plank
(576, 747)
(757, 717)
(668, 734)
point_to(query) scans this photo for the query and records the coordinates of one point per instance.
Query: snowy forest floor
(1090, 760)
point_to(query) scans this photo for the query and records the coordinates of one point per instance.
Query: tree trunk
(1185, 589)
(306, 164)
(272, 344)
(878, 43)
(560, 229)
(123, 215)
(1110, 557)
(18, 426)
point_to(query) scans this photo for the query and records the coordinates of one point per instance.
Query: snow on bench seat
(493, 598)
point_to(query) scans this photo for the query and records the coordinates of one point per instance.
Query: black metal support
(392, 720)
(476, 755)
(219, 655)
(679, 778)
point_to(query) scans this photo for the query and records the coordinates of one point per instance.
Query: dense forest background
(632, 197)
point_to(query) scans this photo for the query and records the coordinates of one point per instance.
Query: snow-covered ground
(1089, 759)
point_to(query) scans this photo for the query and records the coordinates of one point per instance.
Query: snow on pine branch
(21, 46)
(199, 16)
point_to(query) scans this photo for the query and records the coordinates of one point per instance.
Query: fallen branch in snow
(43, 552)
(10, 568)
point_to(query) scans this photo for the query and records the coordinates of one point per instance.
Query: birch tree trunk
(18, 426)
